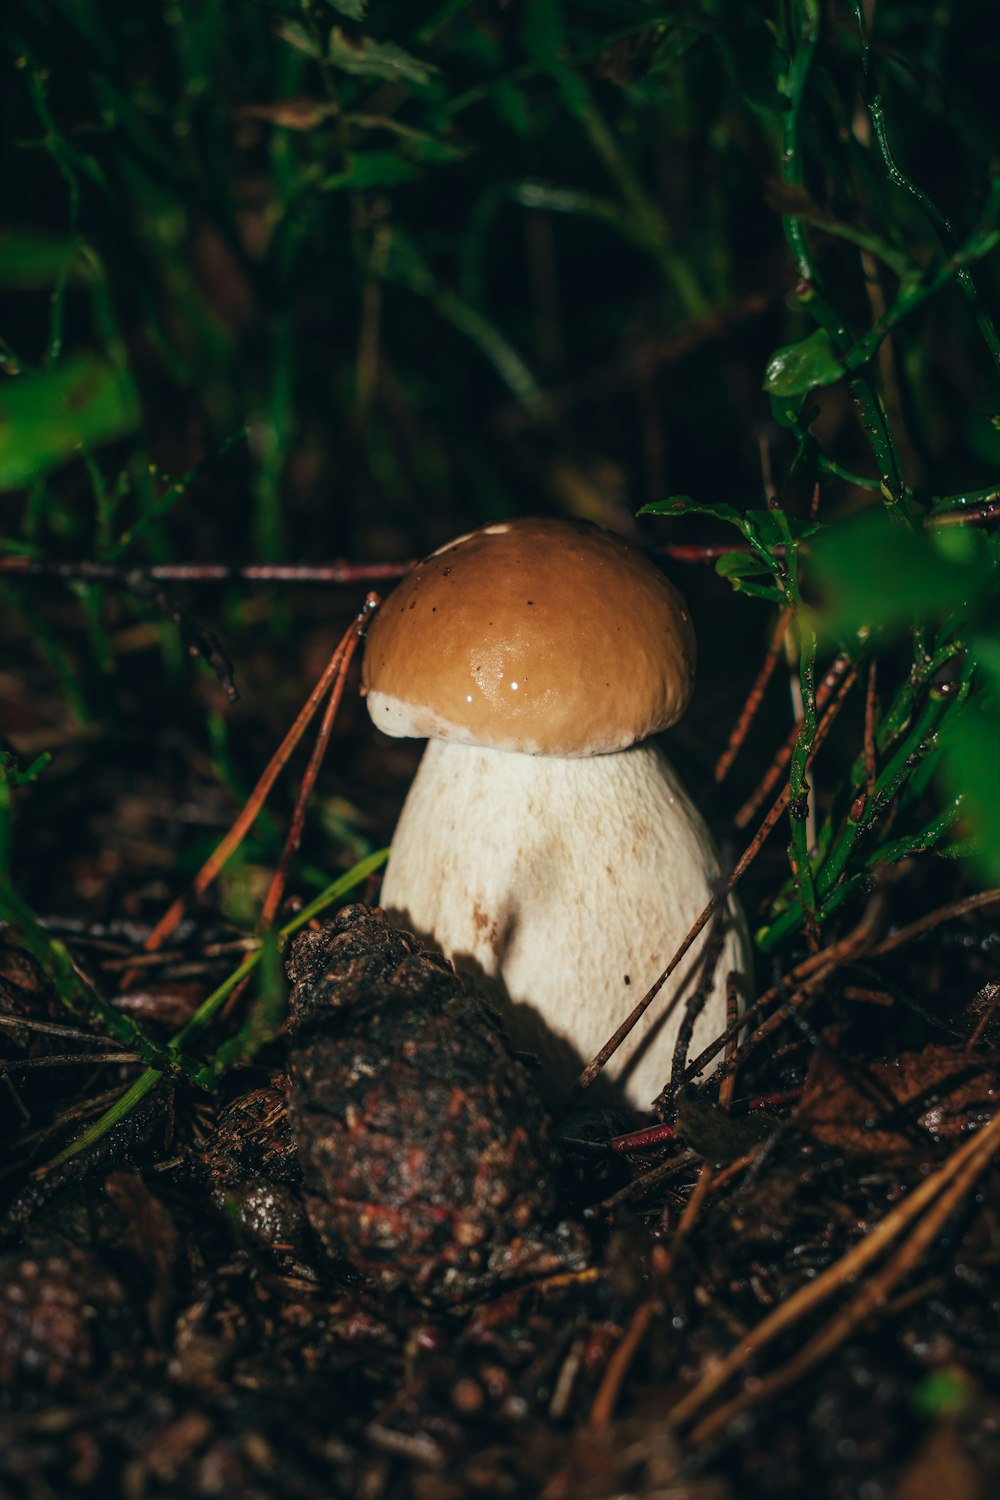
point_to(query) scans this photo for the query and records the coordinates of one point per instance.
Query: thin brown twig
(871, 705)
(53, 1028)
(968, 515)
(618, 1366)
(733, 1169)
(978, 1149)
(702, 552)
(611, 1046)
(802, 981)
(65, 1060)
(934, 919)
(728, 1086)
(346, 649)
(953, 1181)
(990, 997)
(248, 814)
(693, 1206)
(835, 674)
(652, 1178)
(754, 698)
(339, 572)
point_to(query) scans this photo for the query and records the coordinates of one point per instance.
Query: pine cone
(426, 1153)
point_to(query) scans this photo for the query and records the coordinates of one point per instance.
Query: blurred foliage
(375, 273)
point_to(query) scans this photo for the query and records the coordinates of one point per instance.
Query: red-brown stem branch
(834, 674)
(871, 702)
(338, 572)
(749, 854)
(248, 815)
(755, 697)
(345, 651)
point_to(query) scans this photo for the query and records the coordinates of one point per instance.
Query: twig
(207, 1011)
(754, 698)
(255, 801)
(198, 640)
(989, 996)
(338, 572)
(65, 1059)
(954, 1181)
(728, 1086)
(346, 649)
(934, 919)
(871, 705)
(618, 1365)
(611, 1046)
(657, 1135)
(801, 981)
(975, 1153)
(640, 1140)
(652, 1178)
(972, 515)
(53, 1028)
(76, 994)
(834, 674)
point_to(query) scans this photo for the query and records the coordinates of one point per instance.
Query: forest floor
(794, 1290)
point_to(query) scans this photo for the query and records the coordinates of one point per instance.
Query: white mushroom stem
(567, 885)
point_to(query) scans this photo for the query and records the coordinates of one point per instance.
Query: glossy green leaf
(739, 565)
(875, 573)
(680, 505)
(970, 743)
(47, 418)
(799, 367)
(370, 59)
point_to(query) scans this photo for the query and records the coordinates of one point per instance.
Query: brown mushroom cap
(546, 637)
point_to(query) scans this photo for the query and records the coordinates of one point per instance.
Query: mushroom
(546, 845)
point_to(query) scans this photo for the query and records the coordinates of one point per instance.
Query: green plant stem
(75, 994)
(917, 743)
(799, 855)
(924, 842)
(942, 226)
(863, 393)
(206, 1075)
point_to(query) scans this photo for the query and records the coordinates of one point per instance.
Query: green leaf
(875, 573)
(969, 741)
(797, 368)
(354, 10)
(980, 243)
(11, 773)
(374, 169)
(680, 505)
(512, 107)
(739, 565)
(46, 419)
(370, 59)
(34, 260)
(296, 35)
